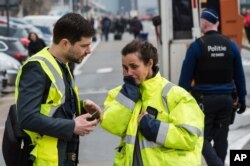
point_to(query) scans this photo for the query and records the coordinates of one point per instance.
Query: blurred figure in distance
(36, 43)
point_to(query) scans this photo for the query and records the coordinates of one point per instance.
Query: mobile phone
(94, 116)
(152, 112)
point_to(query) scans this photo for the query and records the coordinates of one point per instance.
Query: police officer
(214, 63)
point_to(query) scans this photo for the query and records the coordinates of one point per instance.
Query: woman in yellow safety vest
(159, 123)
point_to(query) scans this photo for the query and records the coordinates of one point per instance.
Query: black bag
(16, 144)
(117, 36)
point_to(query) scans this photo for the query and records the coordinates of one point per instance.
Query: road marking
(104, 70)
(77, 70)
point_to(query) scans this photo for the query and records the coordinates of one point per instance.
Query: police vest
(215, 66)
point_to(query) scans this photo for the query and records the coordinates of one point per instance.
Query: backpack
(16, 144)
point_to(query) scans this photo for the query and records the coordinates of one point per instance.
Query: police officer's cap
(210, 15)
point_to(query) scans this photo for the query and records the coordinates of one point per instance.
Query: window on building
(182, 19)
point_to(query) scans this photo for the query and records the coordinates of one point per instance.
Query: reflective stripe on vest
(162, 133)
(58, 81)
(129, 139)
(125, 101)
(148, 144)
(191, 129)
(165, 91)
(163, 129)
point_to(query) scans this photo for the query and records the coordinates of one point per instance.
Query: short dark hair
(73, 27)
(147, 51)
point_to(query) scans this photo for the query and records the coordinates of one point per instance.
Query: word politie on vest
(216, 48)
(217, 51)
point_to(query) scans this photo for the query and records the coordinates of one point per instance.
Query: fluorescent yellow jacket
(45, 151)
(179, 140)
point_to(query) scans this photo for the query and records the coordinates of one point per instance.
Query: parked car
(42, 20)
(47, 34)
(8, 68)
(14, 48)
(15, 31)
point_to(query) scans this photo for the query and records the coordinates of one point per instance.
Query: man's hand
(130, 89)
(92, 107)
(242, 107)
(82, 126)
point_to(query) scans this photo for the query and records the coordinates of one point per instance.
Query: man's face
(203, 25)
(79, 50)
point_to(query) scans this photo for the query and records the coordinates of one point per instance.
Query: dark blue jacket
(188, 67)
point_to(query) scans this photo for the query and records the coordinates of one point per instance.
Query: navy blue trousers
(218, 111)
(68, 163)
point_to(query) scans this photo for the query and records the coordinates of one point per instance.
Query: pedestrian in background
(106, 25)
(247, 24)
(136, 27)
(36, 44)
(91, 19)
(159, 123)
(214, 63)
(48, 105)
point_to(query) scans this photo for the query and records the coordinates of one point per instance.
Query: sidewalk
(239, 134)
(245, 44)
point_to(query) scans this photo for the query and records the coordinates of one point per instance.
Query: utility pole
(7, 7)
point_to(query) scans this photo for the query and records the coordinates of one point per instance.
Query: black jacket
(35, 46)
(33, 91)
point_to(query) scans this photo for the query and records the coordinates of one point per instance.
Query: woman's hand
(141, 116)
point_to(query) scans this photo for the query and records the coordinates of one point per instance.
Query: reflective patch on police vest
(216, 48)
(217, 51)
(215, 55)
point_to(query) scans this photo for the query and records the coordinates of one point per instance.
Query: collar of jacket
(149, 86)
(211, 32)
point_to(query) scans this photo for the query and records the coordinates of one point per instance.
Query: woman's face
(133, 66)
(33, 37)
